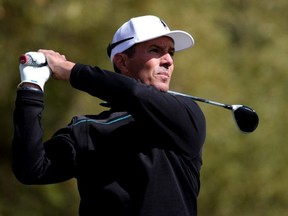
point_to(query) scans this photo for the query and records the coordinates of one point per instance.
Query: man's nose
(167, 59)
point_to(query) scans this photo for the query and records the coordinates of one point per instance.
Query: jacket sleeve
(35, 162)
(175, 120)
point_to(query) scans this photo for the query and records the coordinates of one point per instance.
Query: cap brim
(182, 40)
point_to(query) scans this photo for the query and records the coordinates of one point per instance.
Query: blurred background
(239, 57)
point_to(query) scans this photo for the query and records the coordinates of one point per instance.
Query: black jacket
(141, 157)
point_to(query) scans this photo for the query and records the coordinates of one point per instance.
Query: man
(140, 157)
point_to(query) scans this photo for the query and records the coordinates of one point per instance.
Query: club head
(246, 118)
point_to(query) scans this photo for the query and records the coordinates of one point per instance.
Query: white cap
(144, 28)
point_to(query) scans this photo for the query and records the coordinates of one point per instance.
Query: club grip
(27, 60)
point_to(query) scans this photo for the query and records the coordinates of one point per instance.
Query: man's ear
(120, 62)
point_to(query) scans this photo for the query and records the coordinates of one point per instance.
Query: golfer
(140, 157)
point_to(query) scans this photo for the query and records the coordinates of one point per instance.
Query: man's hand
(33, 74)
(60, 67)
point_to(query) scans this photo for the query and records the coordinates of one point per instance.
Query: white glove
(35, 74)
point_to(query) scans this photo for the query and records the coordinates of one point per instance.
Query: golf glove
(35, 74)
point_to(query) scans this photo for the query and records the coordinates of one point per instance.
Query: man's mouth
(166, 74)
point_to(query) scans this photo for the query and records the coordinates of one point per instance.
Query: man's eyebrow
(161, 47)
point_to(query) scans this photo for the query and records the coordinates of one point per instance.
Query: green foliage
(240, 56)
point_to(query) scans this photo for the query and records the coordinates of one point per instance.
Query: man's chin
(162, 87)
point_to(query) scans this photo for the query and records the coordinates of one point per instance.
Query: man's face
(152, 62)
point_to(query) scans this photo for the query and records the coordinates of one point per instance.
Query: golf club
(245, 118)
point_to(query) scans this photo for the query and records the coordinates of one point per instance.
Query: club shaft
(227, 106)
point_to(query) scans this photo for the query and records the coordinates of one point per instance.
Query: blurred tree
(239, 57)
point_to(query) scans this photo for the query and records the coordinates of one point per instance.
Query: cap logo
(164, 24)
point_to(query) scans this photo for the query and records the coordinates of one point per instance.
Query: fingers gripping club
(28, 60)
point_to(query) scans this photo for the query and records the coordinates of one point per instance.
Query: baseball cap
(144, 28)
